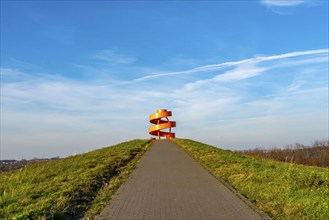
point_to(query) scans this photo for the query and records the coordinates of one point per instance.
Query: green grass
(70, 188)
(283, 190)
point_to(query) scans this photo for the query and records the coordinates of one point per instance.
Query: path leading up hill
(169, 184)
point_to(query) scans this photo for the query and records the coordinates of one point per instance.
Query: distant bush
(315, 155)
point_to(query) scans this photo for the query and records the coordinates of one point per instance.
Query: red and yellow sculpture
(160, 124)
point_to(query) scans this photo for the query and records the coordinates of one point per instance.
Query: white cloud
(284, 2)
(294, 54)
(239, 103)
(220, 66)
(240, 73)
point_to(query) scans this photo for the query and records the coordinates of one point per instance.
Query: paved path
(169, 184)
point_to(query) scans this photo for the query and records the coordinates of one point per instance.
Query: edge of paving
(100, 216)
(239, 195)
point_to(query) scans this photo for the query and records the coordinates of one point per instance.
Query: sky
(81, 75)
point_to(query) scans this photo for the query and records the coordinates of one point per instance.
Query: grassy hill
(81, 186)
(283, 190)
(68, 188)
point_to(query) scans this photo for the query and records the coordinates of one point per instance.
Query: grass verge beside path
(283, 190)
(68, 188)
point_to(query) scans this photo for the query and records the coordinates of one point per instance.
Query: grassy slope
(283, 190)
(71, 187)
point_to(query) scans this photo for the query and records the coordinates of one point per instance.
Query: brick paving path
(169, 184)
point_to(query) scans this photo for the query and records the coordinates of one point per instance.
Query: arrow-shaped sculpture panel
(161, 121)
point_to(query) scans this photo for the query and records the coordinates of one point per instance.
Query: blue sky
(80, 75)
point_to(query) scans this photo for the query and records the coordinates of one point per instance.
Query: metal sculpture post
(160, 124)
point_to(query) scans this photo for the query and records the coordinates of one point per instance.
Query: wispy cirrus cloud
(246, 62)
(281, 97)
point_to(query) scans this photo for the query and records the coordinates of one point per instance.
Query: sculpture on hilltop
(160, 123)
